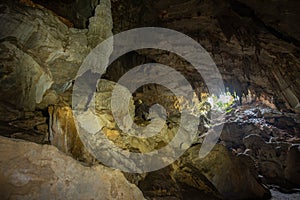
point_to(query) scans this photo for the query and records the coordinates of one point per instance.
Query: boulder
(32, 171)
(277, 162)
(232, 176)
(175, 184)
(292, 170)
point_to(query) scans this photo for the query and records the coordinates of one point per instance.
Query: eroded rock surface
(233, 177)
(31, 171)
(40, 56)
(63, 133)
(246, 40)
(39, 52)
(270, 137)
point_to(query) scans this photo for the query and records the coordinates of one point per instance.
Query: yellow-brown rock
(63, 133)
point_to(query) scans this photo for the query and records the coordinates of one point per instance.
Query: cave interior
(66, 134)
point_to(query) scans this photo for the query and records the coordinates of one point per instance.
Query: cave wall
(255, 48)
(40, 54)
(77, 11)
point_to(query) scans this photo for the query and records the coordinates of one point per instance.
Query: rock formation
(47, 152)
(31, 171)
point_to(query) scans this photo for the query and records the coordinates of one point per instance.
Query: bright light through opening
(222, 102)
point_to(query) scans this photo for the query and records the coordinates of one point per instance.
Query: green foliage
(222, 103)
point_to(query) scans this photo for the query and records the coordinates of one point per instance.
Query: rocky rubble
(270, 137)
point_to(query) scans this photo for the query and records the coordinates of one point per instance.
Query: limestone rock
(272, 159)
(100, 27)
(67, 138)
(25, 81)
(9, 112)
(284, 17)
(232, 134)
(31, 171)
(292, 170)
(230, 175)
(29, 40)
(64, 135)
(50, 98)
(78, 11)
(39, 52)
(177, 184)
(267, 123)
(103, 103)
(160, 185)
(30, 126)
(255, 48)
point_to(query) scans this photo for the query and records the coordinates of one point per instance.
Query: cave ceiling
(255, 44)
